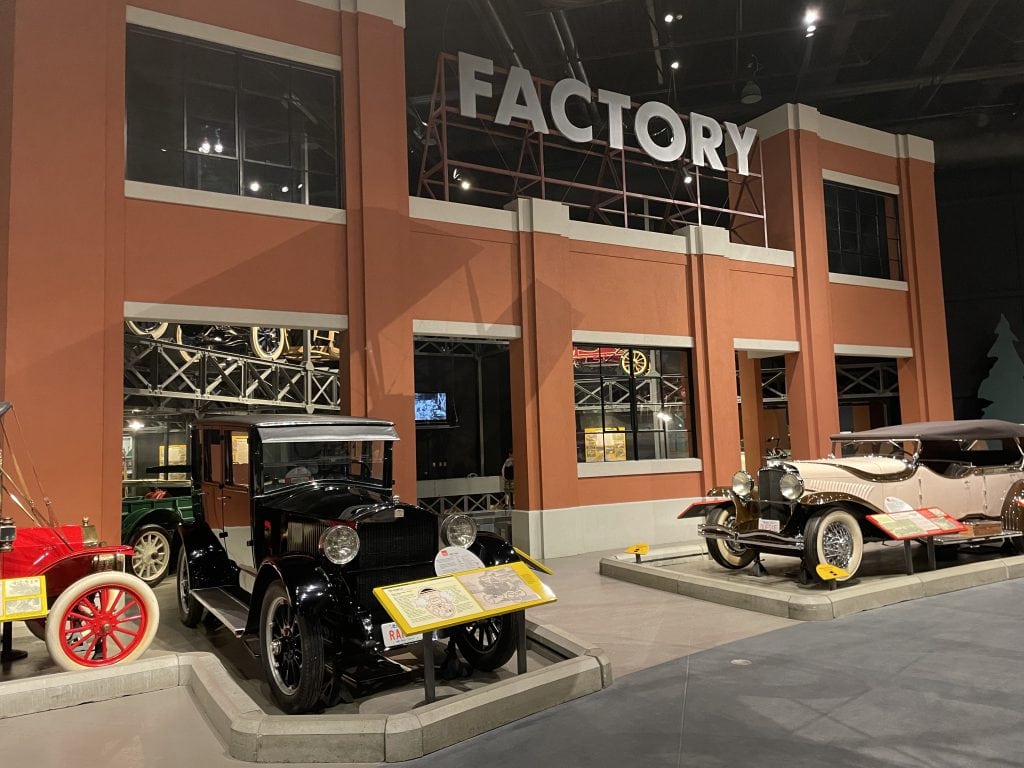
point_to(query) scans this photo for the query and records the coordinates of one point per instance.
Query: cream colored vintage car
(817, 509)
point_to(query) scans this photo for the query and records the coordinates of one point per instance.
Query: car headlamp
(742, 484)
(791, 486)
(458, 530)
(340, 544)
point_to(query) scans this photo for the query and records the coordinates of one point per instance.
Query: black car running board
(229, 610)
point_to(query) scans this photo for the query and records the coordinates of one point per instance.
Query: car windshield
(288, 463)
(896, 449)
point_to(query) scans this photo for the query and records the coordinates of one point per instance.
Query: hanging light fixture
(751, 93)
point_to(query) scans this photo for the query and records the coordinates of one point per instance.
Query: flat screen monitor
(431, 407)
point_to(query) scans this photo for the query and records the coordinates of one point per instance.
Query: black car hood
(329, 500)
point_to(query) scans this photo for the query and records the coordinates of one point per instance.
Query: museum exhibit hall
(519, 382)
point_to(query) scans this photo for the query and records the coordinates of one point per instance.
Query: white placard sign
(456, 560)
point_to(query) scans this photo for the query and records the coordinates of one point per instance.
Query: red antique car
(602, 355)
(70, 590)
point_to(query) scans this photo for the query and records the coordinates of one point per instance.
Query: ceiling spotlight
(284, 189)
(811, 28)
(135, 425)
(811, 16)
(669, 18)
(674, 64)
(204, 147)
(679, 17)
(465, 184)
(810, 32)
(687, 179)
(255, 186)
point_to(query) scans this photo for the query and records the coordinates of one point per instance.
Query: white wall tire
(834, 538)
(151, 556)
(267, 343)
(724, 553)
(102, 619)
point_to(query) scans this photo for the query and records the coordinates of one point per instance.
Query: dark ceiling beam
(979, 18)
(571, 5)
(954, 13)
(844, 29)
(682, 44)
(659, 64)
(493, 24)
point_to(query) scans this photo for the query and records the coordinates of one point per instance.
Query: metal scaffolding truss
(453, 347)
(855, 381)
(599, 183)
(161, 374)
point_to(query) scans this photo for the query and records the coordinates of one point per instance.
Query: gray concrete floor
(936, 682)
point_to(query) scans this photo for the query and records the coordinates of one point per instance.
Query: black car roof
(292, 420)
(968, 429)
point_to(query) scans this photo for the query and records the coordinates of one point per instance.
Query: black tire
(834, 538)
(487, 644)
(37, 627)
(292, 652)
(190, 610)
(267, 342)
(151, 559)
(724, 553)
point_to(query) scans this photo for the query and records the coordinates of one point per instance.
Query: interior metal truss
(855, 381)
(598, 182)
(159, 373)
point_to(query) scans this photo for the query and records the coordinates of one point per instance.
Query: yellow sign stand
(829, 573)
(23, 598)
(638, 550)
(537, 565)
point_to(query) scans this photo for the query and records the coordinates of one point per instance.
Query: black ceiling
(949, 70)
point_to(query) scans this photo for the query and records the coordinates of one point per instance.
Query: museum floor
(933, 682)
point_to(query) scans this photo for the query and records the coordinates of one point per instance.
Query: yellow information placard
(447, 601)
(23, 598)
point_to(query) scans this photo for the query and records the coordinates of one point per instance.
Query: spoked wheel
(292, 652)
(725, 553)
(190, 610)
(267, 343)
(487, 644)
(187, 335)
(151, 559)
(635, 363)
(102, 619)
(146, 328)
(834, 538)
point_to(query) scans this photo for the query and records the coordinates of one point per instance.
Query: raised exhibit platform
(250, 733)
(881, 580)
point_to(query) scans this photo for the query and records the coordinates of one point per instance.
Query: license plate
(393, 635)
(768, 525)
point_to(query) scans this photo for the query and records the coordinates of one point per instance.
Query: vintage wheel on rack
(725, 553)
(635, 362)
(151, 560)
(487, 644)
(267, 343)
(146, 328)
(834, 538)
(292, 652)
(103, 618)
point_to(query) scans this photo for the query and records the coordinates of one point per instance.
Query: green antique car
(149, 525)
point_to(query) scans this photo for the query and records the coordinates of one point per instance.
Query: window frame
(888, 261)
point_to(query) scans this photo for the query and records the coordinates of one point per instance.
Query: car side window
(213, 456)
(238, 466)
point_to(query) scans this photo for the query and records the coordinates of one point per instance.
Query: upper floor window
(632, 403)
(863, 232)
(206, 117)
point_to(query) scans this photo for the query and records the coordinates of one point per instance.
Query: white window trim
(868, 282)
(141, 190)
(639, 467)
(868, 350)
(859, 181)
(194, 313)
(631, 339)
(766, 347)
(465, 330)
(232, 38)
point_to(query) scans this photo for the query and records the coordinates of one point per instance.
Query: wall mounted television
(432, 409)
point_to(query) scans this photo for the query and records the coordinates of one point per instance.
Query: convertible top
(970, 429)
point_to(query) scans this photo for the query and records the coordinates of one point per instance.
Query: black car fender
(309, 590)
(492, 549)
(208, 563)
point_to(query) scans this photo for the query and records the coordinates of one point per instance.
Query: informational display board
(915, 523)
(23, 598)
(447, 601)
(604, 444)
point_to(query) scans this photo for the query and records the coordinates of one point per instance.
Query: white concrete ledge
(870, 350)
(253, 735)
(619, 339)
(641, 467)
(868, 282)
(194, 313)
(158, 193)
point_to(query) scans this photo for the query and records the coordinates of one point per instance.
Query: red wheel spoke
(92, 648)
(124, 631)
(115, 641)
(83, 635)
(81, 617)
(126, 607)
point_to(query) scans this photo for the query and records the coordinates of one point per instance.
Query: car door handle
(223, 534)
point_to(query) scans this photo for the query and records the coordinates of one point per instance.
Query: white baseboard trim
(546, 533)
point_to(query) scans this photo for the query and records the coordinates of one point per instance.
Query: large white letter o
(675, 148)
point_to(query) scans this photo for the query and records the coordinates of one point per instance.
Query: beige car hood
(824, 469)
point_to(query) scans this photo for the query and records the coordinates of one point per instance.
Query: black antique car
(298, 523)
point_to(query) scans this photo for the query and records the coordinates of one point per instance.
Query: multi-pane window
(863, 232)
(217, 119)
(632, 403)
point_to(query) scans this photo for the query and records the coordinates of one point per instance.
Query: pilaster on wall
(541, 376)
(795, 201)
(378, 379)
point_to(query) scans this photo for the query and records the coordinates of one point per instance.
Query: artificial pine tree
(1003, 388)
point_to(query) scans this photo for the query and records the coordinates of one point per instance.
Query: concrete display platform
(252, 734)
(880, 581)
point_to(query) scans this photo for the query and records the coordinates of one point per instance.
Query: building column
(925, 389)
(377, 375)
(751, 406)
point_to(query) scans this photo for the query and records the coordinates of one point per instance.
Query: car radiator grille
(393, 552)
(305, 537)
(768, 484)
